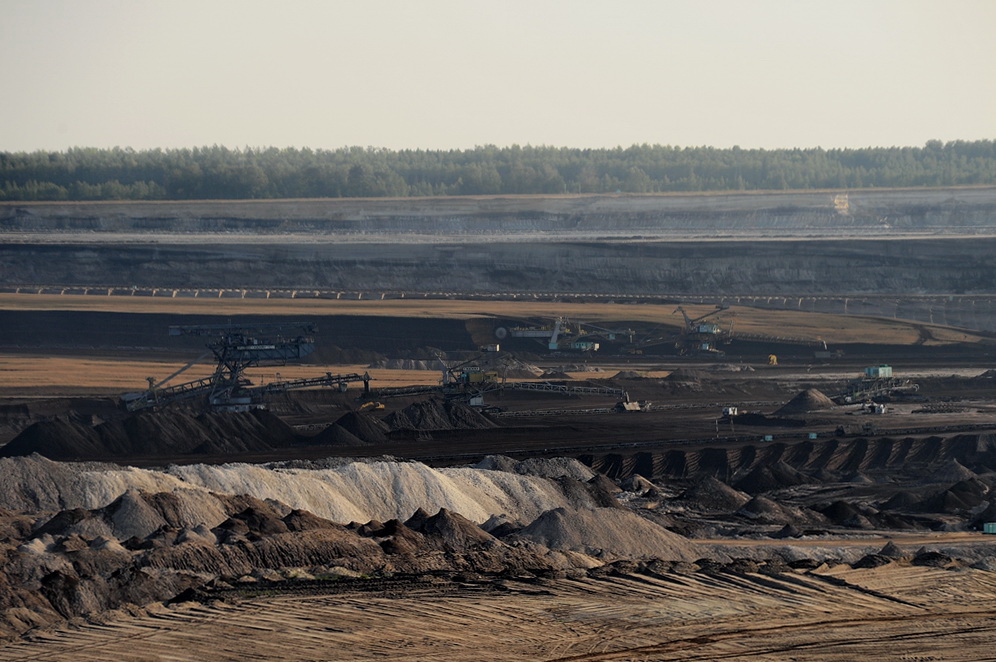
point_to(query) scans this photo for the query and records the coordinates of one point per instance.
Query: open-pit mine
(672, 427)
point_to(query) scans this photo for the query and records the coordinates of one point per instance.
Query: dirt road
(889, 613)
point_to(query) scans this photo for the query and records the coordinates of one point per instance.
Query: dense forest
(223, 173)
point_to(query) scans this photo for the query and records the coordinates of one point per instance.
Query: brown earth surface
(819, 532)
(889, 613)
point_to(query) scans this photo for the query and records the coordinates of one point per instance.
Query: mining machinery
(699, 337)
(469, 381)
(877, 381)
(236, 348)
(562, 334)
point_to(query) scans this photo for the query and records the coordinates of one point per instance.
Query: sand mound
(347, 492)
(522, 371)
(604, 485)
(555, 374)
(137, 514)
(578, 367)
(607, 532)
(809, 400)
(592, 494)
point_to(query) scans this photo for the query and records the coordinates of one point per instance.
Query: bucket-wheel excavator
(236, 348)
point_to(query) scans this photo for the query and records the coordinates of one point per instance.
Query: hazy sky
(442, 74)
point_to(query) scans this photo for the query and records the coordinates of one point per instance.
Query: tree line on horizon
(218, 172)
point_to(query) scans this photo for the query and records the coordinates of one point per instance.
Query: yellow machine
(772, 359)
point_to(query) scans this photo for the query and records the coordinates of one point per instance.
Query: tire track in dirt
(654, 651)
(704, 616)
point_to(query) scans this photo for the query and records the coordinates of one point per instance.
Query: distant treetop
(253, 173)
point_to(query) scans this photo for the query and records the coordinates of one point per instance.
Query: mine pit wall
(728, 268)
(948, 210)
(912, 456)
(338, 338)
(964, 311)
(941, 281)
(920, 254)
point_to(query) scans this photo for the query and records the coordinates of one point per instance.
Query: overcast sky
(453, 74)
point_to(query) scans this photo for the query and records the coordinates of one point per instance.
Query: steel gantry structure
(236, 348)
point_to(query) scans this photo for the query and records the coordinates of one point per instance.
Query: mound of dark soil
(952, 471)
(902, 500)
(637, 483)
(787, 531)
(931, 559)
(451, 530)
(628, 374)
(847, 514)
(764, 510)
(872, 561)
(776, 476)
(336, 435)
(437, 415)
(961, 497)
(302, 520)
(154, 434)
(365, 427)
(685, 375)
(826, 459)
(713, 495)
(257, 522)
